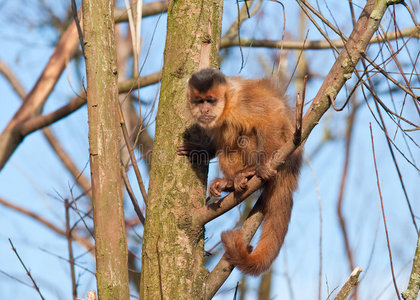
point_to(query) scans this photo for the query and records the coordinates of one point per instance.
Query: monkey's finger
(248, 174)
(214, 193)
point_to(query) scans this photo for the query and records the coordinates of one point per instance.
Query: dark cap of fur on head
(204, 79)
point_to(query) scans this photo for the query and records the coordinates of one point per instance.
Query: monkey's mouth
(206, 119)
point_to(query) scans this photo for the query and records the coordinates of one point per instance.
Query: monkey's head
(206, 96)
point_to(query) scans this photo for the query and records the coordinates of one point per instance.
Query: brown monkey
(247, 121)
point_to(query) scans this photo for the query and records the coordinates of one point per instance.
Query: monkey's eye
(199, 101)
(211, 101)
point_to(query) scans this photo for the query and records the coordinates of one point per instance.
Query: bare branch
(81, 240)
(131, 154)
(149, 9)
(223, 269)
(41, 121)
(351, 282)
(132, 196)
(413, 288)
(70, 248)
(383, 216)
(349, 134)
(316, 45)
(27, 271)
(11, 136)
(81, 180)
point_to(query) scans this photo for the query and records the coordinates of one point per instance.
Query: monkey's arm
(263, 169)
(197, 146)
(196, 152)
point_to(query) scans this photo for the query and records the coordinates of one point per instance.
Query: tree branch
(32, 106)
(315, 45)
(74, 104)
(81, 180)
(81, 240)
(414, 284)
(149, 9)
(351, 282)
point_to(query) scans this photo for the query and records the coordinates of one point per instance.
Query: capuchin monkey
(247, 121)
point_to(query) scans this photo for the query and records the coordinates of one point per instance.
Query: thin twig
(297, 62)
(383, 215)
(345, 39)
(232, 31)
(389, 141)
(343, 181)
(333, 103)
(301, 4)
(318, 193)
(27, 271)
(297, 137)
(132, 196)
(82, 267)
(132, 157)
(315, 44)
(70, 249)
(81, 240)
(78, 25)
(239, 35)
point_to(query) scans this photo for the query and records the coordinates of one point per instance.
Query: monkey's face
(207, 107)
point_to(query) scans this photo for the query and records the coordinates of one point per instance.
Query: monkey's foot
(241, 179)
(265, 172)
(219, 185)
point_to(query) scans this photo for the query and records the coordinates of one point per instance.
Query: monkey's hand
(265, 172)
(196, 152)
(241, 179)
(186, 148)
(219, 185)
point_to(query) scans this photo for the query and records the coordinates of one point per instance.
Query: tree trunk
(172, 258)
(104, 142)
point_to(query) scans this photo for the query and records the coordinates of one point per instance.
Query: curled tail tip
(239, 255)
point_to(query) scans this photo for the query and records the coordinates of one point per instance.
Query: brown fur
(248, 120)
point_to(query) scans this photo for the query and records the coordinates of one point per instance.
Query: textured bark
(265, 286)
(348, 286)
(104, 149)
(412, 291)
(172, 258)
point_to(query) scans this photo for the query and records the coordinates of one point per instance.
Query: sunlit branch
(318, 44)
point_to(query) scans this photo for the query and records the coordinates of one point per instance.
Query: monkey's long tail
(277, 200)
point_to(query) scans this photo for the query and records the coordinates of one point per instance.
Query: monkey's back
(257, 108)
